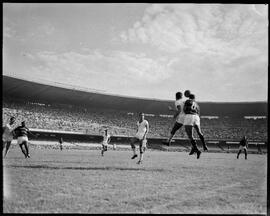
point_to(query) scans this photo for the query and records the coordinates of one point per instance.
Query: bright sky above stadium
(218, 51)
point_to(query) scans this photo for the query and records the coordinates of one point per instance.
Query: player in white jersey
(7, 135)
(140, 136)
(179, 116)
(106, 140)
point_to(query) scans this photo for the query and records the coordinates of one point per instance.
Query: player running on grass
(192, 120)
(22, 138)
(7, 135)
(243, 146)
(105, 142)
(140, 137)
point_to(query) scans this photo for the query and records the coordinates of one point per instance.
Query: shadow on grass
(86, 168)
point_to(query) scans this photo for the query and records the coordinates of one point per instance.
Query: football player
(105, 142)
(192, 120)
(179, 116)
(140, 137)
(243, 146)
(7, 135)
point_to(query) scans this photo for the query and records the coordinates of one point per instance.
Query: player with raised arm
(243, 146)
(179, 116)
(140, 137)
(22, 138)
(7, 135)
(106, 140)
(192, 120)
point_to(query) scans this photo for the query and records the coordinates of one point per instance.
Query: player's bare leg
(169, 140)
(104, 148)
(26, 148)
(25, 143)
(245, 153)
(194, 148)
(6, 148)
(142, 150)
(198, 129)
(239, 152)
(176, 127)
(23, 151)
(133, 147)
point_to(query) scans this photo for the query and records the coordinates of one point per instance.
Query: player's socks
(198, 154)
(245, 154)
(194, 147)
(134, 156)
(203, 143)
(141, 157)
(192, 151)
(139, 162)
(134, 153)
(238, 154)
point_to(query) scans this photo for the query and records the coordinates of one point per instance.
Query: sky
(218, 51)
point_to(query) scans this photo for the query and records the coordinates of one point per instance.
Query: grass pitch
(81, 181)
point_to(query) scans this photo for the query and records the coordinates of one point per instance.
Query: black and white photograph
(135, 108)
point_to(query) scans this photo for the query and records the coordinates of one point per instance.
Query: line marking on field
(86, 168)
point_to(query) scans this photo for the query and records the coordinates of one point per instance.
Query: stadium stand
(93, 120)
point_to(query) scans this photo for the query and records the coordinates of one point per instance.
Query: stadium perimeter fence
(152, 142)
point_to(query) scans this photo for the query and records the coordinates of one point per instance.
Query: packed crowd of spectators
(92, 121)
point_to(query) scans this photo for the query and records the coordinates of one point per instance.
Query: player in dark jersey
(197, 127)
(243, 144)
(192, 119)
(22, 138)
(61, 143)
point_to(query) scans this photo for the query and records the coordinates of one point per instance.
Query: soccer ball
(114, 147)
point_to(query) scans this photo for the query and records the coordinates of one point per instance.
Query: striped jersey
(21, 131)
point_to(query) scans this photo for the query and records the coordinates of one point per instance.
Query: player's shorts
(242, 147)
(142, 142)
(139, 136)
(192, 120)
(176, 127)
(104, 144)
(7, 139)
(181, 118)
(22, 139)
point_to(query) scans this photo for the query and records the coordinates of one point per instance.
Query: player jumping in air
(7, 135)
(179, 116)
(199, 132)
(243, 146)
(140, 137)
(192, 119)
(22, 138)
(105, 142)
